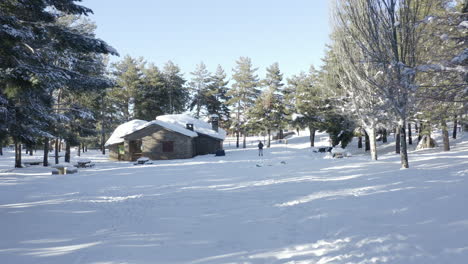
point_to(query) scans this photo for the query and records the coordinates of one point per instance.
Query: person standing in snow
(260, 148)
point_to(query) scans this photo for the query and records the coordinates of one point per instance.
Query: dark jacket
(260, 145)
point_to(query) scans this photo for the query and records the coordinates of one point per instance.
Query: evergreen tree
(199, 89)
(217, 97)
(151, 97)
(128, 76)
(243, 94)
(310, 101)
(174, 86)
(269, 111)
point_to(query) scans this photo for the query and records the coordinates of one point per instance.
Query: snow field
(297, 207)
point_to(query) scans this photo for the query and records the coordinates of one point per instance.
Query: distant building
(167, 137)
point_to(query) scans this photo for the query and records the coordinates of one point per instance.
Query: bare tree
(387, 34)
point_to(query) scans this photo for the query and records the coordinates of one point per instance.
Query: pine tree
(151, 97)
(269, 111)
(199, 89)
(243, 93)
(217, 97)
(129, 81)
(310, 101)
(174, 86)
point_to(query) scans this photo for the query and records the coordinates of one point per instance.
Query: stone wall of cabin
(152, 145)
(114, 151)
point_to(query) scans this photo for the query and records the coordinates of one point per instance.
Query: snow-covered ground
(291, 206)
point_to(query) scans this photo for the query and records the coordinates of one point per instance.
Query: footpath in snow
(291, 206)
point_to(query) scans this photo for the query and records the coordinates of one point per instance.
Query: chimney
(189, 126)
(214, 122)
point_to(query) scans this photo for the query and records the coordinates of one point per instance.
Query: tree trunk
(371, 138)
(397, 140)
(86, 148)
(18, 155)
(297, 129)
(455, 124)
(404, 149)
(237, 139)
(79, 150)
(281, 134)
(60, 145)
(103, 146)
(244, 142)
(56, 150)
(384, 136)
(367, 141)
(410, 139)
(312, 136)
(445, 136)
(67, 152)
(46, 152)
(103, 137)
(359, 142)
(269, 138)
(419, 131)
(30, 150)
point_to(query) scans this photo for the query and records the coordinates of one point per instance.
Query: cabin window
(168, 146)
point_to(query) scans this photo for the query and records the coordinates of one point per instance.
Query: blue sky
(292, 33)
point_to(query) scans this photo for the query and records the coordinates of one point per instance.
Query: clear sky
(292, 33)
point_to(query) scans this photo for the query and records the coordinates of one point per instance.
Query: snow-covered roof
(123, 130)
(170, 126)
(199, 126)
